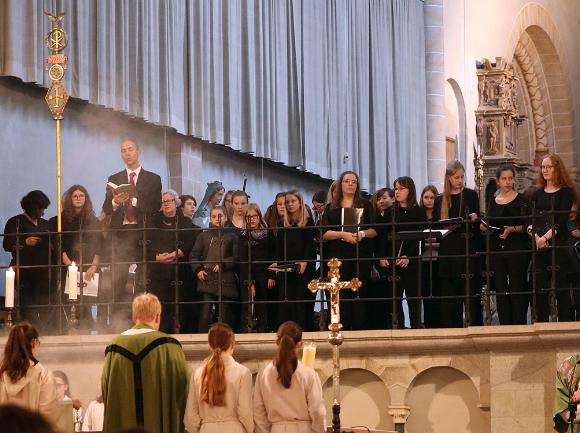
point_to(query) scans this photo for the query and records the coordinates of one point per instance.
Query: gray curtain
(324, 85)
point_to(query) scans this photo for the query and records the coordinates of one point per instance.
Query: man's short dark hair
(320, 196)
(34, 201)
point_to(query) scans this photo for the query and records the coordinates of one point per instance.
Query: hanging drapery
(324, 85)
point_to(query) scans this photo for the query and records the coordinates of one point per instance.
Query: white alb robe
(298, 409)
(235, 417)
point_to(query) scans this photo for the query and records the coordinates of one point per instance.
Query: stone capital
(399, 413)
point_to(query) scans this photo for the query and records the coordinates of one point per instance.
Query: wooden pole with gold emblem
(56, 97)
(334, 286)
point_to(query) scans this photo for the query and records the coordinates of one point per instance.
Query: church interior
(282, 95)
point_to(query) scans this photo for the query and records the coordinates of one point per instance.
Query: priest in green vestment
(145, 375)
(567, 379)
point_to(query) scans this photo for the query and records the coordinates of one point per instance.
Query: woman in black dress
(430, 275)
(171, 277)
(404, 215)
(457, 201)
(551, 206)
(81, 241)
(348, 229)
(507, 257)
(295, 244)
(26, 238)
(255, 253)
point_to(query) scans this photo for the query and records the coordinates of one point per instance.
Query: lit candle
(309, 354)
(73, 271)
(9, 295)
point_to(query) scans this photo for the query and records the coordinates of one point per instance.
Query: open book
(125, 187)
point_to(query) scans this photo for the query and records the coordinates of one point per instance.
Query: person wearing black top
(574, 252)
(349, 238)
(430, 275)
(213, 261)
(255, 252)
(551, 206)
(404, 215)
(295, 244)
(25, 239)
(507, 257)
(457, 201)
(379, 286)
(81, 242)
(171, 277)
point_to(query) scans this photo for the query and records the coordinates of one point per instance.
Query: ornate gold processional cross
(334, 286)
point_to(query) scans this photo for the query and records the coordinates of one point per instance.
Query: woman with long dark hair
(23, 380)
(551, 207)
(26, 238)
(275, 213)
(430, 287)
(457, 201)
(82, 240)
(287, 394)
(220, 392)
(507, 259)
(350, 229)
(405, 215)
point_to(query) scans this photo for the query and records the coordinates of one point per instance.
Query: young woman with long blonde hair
(295, 246)
(220, 392)
(457, 201)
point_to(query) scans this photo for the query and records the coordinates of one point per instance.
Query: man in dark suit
(127, 215)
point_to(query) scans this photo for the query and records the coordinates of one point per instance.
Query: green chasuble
(567, 378)
(145, 379)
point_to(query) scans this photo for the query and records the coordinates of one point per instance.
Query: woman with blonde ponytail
(220, 391)
(288, 395)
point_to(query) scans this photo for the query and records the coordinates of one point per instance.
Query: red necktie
(131, 212)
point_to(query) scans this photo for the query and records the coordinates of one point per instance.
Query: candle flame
(73, 264)
(10, 270)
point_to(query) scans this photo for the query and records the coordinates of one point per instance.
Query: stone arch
(365, 399)
(535, 46)
(461, 119)
(436, 389)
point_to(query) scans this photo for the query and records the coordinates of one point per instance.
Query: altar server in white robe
(287, 394)
(220, 392)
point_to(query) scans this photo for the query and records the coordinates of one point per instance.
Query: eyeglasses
(252, 216)
(168, 201)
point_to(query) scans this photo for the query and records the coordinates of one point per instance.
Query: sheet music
(91, 288)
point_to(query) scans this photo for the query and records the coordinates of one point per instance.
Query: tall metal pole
(56, 97)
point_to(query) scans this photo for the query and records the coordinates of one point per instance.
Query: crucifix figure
(334, 286)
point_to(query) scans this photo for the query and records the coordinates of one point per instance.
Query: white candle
(309, 354)
(73, 271)
(9, 294)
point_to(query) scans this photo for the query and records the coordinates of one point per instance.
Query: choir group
(226, 260)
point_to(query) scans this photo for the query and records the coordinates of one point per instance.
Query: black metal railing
(379, 300)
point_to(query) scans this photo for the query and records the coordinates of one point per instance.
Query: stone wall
(496, 379)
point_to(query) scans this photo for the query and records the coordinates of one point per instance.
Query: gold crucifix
(334, 286)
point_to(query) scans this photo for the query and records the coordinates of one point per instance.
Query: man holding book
(132, 195)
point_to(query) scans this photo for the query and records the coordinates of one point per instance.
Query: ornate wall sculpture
(497, 118)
